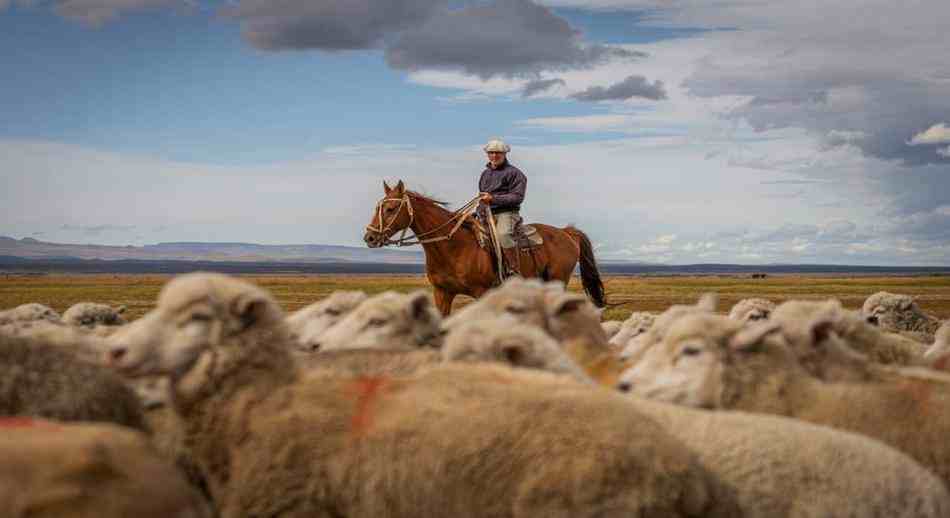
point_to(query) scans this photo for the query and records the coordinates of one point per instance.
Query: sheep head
(521, 299)
(389, 320)
(752, 310)
(689, 366)
(308, 324)
(195, 313)
(636, 324)
(504, 340)
(891, 312)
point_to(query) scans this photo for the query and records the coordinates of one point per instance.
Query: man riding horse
(502, 187)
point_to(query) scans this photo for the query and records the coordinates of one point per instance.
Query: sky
(671, 131)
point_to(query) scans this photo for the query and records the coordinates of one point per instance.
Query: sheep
(708, 361)
(825, 336)
(564, 315)
(29, 312)
(638, 345)
(454, 440)
(366, 362)
(895, 312)
(751, 310)
(504, 340)
(611, 328)
(307, 324)
(91, 314)
(774, 466)
(59, 470)
(76, 341)
(388, 320)
(40, 379)
(636, 324)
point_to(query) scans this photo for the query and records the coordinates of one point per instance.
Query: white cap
(497, 145)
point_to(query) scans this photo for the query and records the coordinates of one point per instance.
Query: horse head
(393, 213)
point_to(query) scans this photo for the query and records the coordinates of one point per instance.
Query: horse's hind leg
(443, 300)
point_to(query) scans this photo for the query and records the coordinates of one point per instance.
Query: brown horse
(456, 264)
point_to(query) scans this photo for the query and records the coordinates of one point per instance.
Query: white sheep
(308, 324)
(505, 340)
(708, 361)
(611, 327)
(896, 312)
(453, 440)
(389, 320)
(92, 314)
(636, 324)
(822, 333)
(29, 312)
(639, 344)
(752, 309)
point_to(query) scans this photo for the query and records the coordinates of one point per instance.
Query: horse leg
(443, 300)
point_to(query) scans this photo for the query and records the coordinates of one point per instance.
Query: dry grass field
(138, 292)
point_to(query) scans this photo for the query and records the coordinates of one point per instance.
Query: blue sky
(670, 131)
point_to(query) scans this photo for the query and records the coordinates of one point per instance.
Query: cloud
(585, 123)
(96, 230)
(540, 85)
(944, 152)
(505, 37)
(633, 86)
(936, 134)
(98, 12)
(327, 24)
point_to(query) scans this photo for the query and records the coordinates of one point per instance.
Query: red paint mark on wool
(366, 390)
(920, 392)
(25, 422)
(941, 363)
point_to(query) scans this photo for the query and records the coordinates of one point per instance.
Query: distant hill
(230, 252)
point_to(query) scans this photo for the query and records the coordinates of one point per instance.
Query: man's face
(496, 158)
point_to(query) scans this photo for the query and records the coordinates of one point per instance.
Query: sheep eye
(690, 350)
(333, 312)
(200, 317)
(515, 309)
(376, 322)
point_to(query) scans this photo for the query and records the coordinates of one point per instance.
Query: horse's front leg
(443, 300)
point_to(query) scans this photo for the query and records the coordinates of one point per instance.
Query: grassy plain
(138, 292)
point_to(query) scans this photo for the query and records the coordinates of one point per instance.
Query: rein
(459, 215)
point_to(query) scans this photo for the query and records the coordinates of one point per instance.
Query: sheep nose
(117, 353)
(625, 386)
(873, 320)
(315, 347)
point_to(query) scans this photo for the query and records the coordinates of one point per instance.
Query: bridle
(458, 216)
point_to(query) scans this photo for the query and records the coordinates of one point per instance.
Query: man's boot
(513, 261)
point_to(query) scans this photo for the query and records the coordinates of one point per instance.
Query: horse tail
(590, 276)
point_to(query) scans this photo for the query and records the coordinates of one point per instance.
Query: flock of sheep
(522, 403)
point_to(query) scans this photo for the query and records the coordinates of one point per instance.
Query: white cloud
(936, 134)
(584, 123)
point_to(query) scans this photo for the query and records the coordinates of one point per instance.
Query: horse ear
(386, 187)
(400, 187)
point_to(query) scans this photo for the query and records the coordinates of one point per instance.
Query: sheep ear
(906, 304)
(567, 303)
(121, 309)
(749, 338)
(513, 354)
(708, 302)
(248, 310)
(420, 306)
(820, 329)
(386, 188)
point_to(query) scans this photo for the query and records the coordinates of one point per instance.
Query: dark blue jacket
(507, 185)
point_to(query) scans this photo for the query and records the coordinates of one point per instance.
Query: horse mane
(426, 199)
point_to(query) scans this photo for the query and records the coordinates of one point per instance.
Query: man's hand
(486, 197)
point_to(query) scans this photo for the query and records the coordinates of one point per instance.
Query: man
(503, 187)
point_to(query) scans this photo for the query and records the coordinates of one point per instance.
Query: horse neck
(427, 218)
